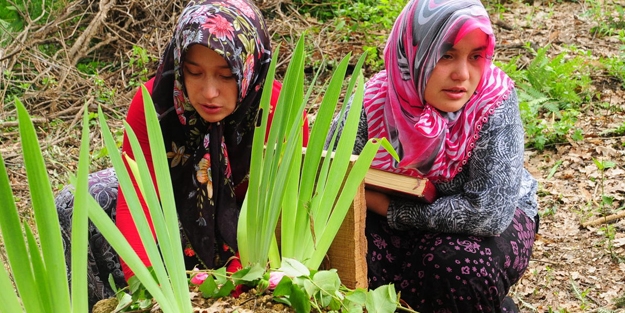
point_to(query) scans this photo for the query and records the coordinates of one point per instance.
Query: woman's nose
(461, 71)
(210, 89)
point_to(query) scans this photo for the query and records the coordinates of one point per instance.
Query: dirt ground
(574, 268)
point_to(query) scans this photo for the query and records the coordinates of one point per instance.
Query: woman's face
(209, 82)
(457, 74)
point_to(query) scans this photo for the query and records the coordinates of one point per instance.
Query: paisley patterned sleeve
(480, 200)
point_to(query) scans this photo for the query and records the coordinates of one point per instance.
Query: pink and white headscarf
(430, 143)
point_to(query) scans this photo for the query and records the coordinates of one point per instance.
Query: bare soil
(574, 268)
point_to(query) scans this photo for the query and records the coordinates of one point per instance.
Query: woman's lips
(211, 109)
(455, 93)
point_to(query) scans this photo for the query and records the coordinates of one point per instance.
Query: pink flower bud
(199, 278)
(274, 279)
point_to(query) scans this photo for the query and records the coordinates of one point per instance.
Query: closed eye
(188, 71)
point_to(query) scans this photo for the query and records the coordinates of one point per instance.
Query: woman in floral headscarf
(207, 92)
(454, 119)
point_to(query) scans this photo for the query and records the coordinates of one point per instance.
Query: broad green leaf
(248, 274)
(328, 281)
(283, 288)
(220, 275)
(299, 300)
(382, 299)
(294, 268)
(209, 287)
(123, 301)
(225, 289)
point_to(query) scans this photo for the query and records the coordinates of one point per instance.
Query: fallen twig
(605, 219)
(36, 120)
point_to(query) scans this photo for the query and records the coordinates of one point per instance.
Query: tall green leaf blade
(290, 211)
(352, 182)
(342, 156)
(15, 246)
(132, 199)
(334, 168)
(321, 181)
(331, 213)
(156, 215)
(254, 196)
(173, 261)
(320, 129)
(44, 210)
(305, 216)
(46, 290)
(9, 301)
(80, 223)
(117, 240)
(290, 118)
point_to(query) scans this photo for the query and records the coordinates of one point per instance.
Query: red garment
(135, 118)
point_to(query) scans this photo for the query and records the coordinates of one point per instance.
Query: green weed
(551, 91)
(103, 93)
(616, 65)
(609, 232)
(619, 131)
(12, 13)
(139, 63)
(551, 310)
(367, 19)
(610, 19)
(550, 211)
(620, 302)
(581, 295)
(606, 200)
(377, 17)
(495, 9)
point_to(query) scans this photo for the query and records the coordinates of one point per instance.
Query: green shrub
(551, 91)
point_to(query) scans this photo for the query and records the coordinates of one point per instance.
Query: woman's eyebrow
(480, 48)
(189, 61)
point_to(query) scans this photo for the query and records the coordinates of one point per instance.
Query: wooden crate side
(348, 251)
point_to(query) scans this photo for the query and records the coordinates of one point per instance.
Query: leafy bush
(609, 21)
(12, 14)
(365, 19)
(551, 91)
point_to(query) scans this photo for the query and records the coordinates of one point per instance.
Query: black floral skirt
(437, 272)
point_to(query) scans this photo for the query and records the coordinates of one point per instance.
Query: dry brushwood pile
(84, 55)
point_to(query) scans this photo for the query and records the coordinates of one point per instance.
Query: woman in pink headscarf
(453, 118)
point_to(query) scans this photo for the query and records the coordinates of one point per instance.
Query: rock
(105, 306)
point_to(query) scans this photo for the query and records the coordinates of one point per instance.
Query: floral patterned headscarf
(208, 160)
(430, 143)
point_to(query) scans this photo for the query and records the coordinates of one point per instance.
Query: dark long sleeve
(481, 199)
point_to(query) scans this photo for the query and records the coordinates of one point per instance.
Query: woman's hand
(377, 202)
